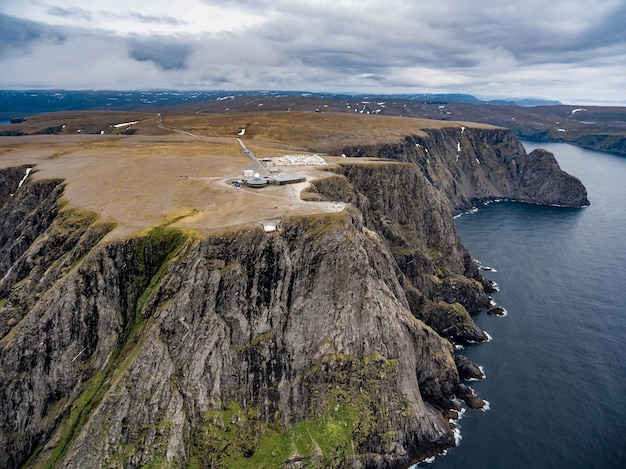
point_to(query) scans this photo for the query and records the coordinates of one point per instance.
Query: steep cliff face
(328, 342)
(439, 277)
(603, 142)
(168, 348)
(472, 165)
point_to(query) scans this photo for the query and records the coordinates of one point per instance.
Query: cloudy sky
(570, 50)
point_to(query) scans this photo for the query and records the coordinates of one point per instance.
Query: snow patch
(28, 170)
(125, 124)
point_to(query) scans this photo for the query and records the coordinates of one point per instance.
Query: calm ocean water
(556, 368)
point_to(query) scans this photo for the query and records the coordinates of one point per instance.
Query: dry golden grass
(145, 181)
(89, 122)
(179, 177)
(321, 132)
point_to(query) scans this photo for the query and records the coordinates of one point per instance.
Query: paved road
(163, 126)
(257, 166)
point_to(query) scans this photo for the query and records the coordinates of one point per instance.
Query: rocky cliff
(473, 165)
(328, 343)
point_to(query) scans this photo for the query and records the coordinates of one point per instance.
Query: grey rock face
(471, 165)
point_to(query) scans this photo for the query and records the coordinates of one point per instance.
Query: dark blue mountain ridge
(22, 103)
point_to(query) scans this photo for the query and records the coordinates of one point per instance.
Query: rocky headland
(327, 343)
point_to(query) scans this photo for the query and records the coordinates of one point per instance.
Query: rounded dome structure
(256, 182)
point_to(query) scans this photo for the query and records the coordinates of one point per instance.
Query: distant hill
(21, 103)
(596, 127)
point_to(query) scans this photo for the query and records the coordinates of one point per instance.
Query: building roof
(287, 178)
(257, 182)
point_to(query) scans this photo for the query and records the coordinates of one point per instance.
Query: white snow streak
(28, 170)
(125, 124)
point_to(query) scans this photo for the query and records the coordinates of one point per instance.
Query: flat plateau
(176, 170)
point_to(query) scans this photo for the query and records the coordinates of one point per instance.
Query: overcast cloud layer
(570, 50)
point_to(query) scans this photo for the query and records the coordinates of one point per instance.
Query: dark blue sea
(556, 367)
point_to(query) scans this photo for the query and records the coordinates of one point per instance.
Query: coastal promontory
(156, 311)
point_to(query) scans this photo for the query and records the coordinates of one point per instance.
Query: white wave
(482, 372)
(460, 413)
(471, 210)
(457, 439)
(457, 436)
(487, 406)
(489, 338)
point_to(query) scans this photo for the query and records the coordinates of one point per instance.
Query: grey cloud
(363, 43)
(17, 35)
(161, 19)
(243, 4)
(347, 45)
(65, 13)
(163, 52)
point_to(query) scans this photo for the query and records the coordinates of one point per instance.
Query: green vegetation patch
(176, 218)
(353, 404)
(315, 227)
(155, 251)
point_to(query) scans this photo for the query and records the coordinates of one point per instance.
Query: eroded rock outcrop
(471, 165)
